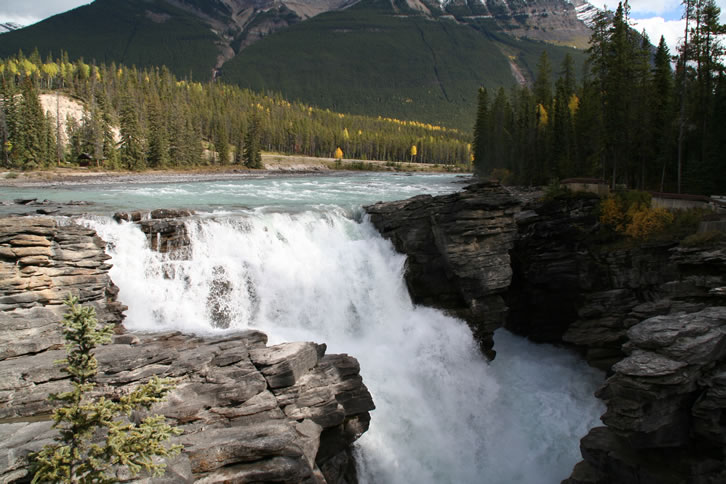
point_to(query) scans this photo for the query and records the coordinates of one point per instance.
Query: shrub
(95, 434)
(703, 239)
(612, 215)
(646, 222)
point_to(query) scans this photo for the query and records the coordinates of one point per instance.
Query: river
(296, 258)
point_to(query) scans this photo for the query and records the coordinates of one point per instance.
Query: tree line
(639, 116)
(147, 118)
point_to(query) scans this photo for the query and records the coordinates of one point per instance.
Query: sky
(26, 12)
(657, 17)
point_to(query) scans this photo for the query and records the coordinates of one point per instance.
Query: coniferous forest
(640, 117)
(148, 119)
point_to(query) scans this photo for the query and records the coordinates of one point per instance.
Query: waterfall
(444, 415)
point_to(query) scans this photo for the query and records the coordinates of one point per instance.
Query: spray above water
(443, 414)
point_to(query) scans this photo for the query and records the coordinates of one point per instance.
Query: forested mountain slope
(409, 59)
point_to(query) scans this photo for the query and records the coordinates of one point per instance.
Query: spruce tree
(132, 142)
(253, 156)
(543, 81)
(96, 434)
(158, 153)
(481, 133)
(662, 110)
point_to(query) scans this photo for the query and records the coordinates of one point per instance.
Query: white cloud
(667, 9)
(26, 12)
(672, 30)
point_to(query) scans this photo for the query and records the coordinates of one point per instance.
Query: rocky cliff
(666, 406)
(249, 413)
(652, 315)
(568, 288)
(458, 251)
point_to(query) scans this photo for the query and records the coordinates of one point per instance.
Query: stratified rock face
(41, 263)
(567, 289)
(458, 251)
(666, 406)
(249, 413)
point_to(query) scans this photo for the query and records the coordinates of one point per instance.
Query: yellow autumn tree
(573, 104)
(413, 152)
(542, 116)
(338, 153)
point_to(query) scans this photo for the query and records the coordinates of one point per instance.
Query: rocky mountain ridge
(408, 59)
(9, 27)
(240, 23)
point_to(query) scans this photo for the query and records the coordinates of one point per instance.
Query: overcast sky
(657, 17)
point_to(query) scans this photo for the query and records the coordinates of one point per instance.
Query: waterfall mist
(444, 415)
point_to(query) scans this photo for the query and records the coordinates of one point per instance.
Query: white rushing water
(443, 414)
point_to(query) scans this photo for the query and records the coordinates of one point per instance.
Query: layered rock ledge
(458, 251)
(666, 406)
(249, 413)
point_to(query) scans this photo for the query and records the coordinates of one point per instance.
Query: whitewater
(297, 259)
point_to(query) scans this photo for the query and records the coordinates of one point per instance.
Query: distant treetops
(137, 119)
(631, 120)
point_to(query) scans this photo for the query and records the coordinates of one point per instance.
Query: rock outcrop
(165, 229)
(41, 262)
(249, 413)
(666, 406)
(566, 288)
(458, 251)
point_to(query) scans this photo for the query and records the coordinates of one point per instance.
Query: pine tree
(158, 153)
(132, 143)
(252, 154)
(33, 126)
(543, 81)
(662, 109)
(481, 133)
(96, 434)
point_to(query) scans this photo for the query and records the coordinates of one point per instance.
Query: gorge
(298, 260)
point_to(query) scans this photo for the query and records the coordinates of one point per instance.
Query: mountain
(9, 27)
(410, 59)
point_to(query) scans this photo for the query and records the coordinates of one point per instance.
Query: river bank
(275, 165)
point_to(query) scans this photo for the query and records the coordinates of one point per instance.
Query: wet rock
(165, 229)
(458, 251)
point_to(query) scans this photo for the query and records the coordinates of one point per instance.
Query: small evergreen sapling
(95, 433)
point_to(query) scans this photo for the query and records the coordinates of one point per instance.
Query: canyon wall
(652, 315)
